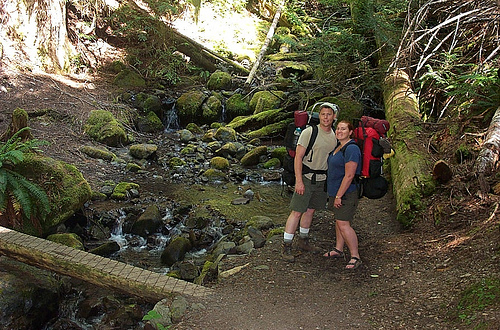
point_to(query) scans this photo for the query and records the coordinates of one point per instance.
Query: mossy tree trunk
(487, 160)
(19, 121)
(410, 166)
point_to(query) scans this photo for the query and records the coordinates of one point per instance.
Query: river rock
(148, 223)
(175, 251)
(143, 150)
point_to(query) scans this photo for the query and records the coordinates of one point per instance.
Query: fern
(19, 197)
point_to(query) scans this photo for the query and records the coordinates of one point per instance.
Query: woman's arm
(350, 172)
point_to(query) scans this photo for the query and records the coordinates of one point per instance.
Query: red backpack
(370, 135)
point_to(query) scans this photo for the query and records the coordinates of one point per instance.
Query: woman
(343, 165)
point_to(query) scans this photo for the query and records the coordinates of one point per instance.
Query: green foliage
(478, 298)
(149, 50)
(471, 87)
(19, 197)
(154, 315)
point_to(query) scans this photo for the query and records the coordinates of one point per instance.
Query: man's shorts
(348, 208)
(314, 197)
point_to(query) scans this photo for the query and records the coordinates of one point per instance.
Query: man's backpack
(370, 136)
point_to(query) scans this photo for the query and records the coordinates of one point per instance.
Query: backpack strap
(314, 135)
(356, 180)
(305, 168)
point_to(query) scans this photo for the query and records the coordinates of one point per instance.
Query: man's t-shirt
(316, 159)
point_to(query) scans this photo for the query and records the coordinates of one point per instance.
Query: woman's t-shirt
(336, 168)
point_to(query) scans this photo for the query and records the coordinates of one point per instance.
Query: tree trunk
(487, 160)
(263, 50)
(40, 28)
(410, 167)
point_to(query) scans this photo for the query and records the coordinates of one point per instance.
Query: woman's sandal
(338, 254)
(357, 262)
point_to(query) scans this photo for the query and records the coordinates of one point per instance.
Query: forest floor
(410, 278)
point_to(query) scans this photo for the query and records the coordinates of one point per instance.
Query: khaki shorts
(314, 197)
(348, 208)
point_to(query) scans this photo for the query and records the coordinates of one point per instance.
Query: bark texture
(487, 160)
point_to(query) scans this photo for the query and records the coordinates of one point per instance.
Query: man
(310, 177)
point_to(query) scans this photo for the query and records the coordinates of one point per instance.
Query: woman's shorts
(348, 207)
(314, 197)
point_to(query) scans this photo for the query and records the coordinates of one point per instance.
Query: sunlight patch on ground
(223, 28)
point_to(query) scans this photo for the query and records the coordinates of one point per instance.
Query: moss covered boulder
(252, 157)
(266, 100)
(98, 153)
(129, 78)
(219, 163)
(148, 223)
(189, 106)
(211, 110)
(64, 184)
(219, 80)
(175, 250)
(103, 127)
(143, 150)
(123, 190)
(68, 239)
(237, 105)
(150, 123)
(225, 134)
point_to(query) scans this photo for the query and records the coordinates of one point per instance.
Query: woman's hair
(349, 124)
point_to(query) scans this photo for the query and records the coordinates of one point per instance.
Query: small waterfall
(170, 120)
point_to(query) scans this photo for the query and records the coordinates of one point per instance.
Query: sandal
(355, 264)
(339, 254)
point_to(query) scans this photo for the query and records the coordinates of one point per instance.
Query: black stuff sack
(374, 188)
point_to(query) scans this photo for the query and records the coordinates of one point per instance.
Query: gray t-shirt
(318, 156)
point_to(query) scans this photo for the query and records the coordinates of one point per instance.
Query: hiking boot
(286, 254)
(304, 245)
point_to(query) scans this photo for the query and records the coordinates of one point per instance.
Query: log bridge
(94, 269)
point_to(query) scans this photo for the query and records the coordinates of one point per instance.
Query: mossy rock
(98, 153)
(225, 134)
(175, 250)
(129, 78)
(64, 184)
(272, 163)
(189, 106)
(279, 153)
(104, 128)
(176, 162)
(121, 191)
(193, 128)
(143, 150)
(213, 174)
(211, 110)
(150, 123)
(219, 163)
(219, 80)
(68, 239)
(227, 150)
(266, 100)
(252, 157)
(237, 105)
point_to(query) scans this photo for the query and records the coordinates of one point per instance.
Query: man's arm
(297, 166)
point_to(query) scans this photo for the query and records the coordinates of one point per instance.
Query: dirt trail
(392, 288)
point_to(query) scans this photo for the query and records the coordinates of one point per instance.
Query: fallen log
(263, 50)
(488, 157)
(410, 167)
